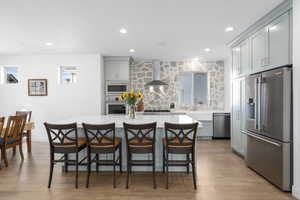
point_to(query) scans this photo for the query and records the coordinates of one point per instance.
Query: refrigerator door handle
(262, 139)
(257, 103)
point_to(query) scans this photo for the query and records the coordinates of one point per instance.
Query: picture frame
(37, 87)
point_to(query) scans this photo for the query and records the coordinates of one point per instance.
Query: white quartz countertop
(140, 119)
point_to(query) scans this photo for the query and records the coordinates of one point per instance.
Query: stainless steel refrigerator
(269, 125)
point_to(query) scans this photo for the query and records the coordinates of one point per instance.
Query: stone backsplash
(142, 72)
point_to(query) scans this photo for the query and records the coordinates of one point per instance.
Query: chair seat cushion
(105, 143)
(10, 141)
(71, 143)
(144, 143)
(175, 143)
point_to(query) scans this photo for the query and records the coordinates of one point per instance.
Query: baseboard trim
(296, 192)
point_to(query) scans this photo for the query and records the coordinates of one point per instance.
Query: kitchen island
(140, 119)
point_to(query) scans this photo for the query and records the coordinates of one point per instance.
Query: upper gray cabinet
(264, 45)
(260, 49)
(240, 59)
(116, 68)
(279, 41)
(271, 45)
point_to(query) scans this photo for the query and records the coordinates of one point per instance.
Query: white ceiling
(165, 29)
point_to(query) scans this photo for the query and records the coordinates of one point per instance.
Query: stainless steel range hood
(156, 75)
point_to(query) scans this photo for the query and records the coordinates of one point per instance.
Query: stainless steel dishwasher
(221, 125)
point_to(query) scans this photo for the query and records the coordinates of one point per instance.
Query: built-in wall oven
(115, 108)
(116, 87)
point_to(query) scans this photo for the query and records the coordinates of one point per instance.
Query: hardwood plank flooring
(221, 176)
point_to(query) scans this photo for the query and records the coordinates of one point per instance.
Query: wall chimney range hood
(156, 75)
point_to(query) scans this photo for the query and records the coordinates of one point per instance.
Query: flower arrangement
(131, 98)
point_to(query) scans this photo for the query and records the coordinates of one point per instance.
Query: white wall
(296, 85)
(63, 101)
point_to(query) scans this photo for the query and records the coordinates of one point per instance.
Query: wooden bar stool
(63, 139)
(140, 139)
(101, 139)
(180, 139)
(12, 136)
(26, 134)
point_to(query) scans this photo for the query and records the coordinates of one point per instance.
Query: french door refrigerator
(269, 125)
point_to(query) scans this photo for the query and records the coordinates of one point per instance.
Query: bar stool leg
(188, 163)
(97, 164)
(194, 170)
(128, 170)
(51, 169)
(114, 168)
(120, 157)
(76, 164)
(66, 162)
(153, 169)
(164, 160)
(89, 169)
(167, 169)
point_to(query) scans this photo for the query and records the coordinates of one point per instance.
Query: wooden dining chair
(12, 136)
(101, 139)
(180, 139)
(2, 120)
(140, 139)
(63, 139)
(27, 133)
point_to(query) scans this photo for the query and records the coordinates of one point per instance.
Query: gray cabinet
(279, 41)
(116, 68)
(238, 118)
(236, 62)
(260, 50)
(241, 59)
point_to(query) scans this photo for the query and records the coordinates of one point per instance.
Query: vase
(131, 111)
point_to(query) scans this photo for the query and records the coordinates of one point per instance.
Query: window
(68, 74)
(193, 88)
(9, 75)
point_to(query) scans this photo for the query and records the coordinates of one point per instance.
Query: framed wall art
(37, 87)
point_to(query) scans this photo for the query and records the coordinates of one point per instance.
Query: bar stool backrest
(140, 134)
(62, 135)
(99, 134)
(181, 135)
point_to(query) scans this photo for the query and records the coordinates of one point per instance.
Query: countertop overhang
(140, 119)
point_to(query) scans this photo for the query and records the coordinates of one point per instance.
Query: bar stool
(63, 139)
(140, 139)
(180, 139)
(101, 139)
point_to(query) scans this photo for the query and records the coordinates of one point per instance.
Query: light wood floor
(221, 176)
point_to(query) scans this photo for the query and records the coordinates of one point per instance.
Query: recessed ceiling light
(131, 50)
(229, 29)
(123, 31)
(207, 49)
(49, 44)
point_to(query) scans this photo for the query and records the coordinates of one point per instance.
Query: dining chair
(27, 133)
(12, 136)
(101, 139)
(180, 139)
(2, 120)
(140, 139)
(63, 139)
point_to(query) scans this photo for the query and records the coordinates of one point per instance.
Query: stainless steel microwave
(116, 87)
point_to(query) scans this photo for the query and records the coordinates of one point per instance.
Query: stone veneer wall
(142, 72)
